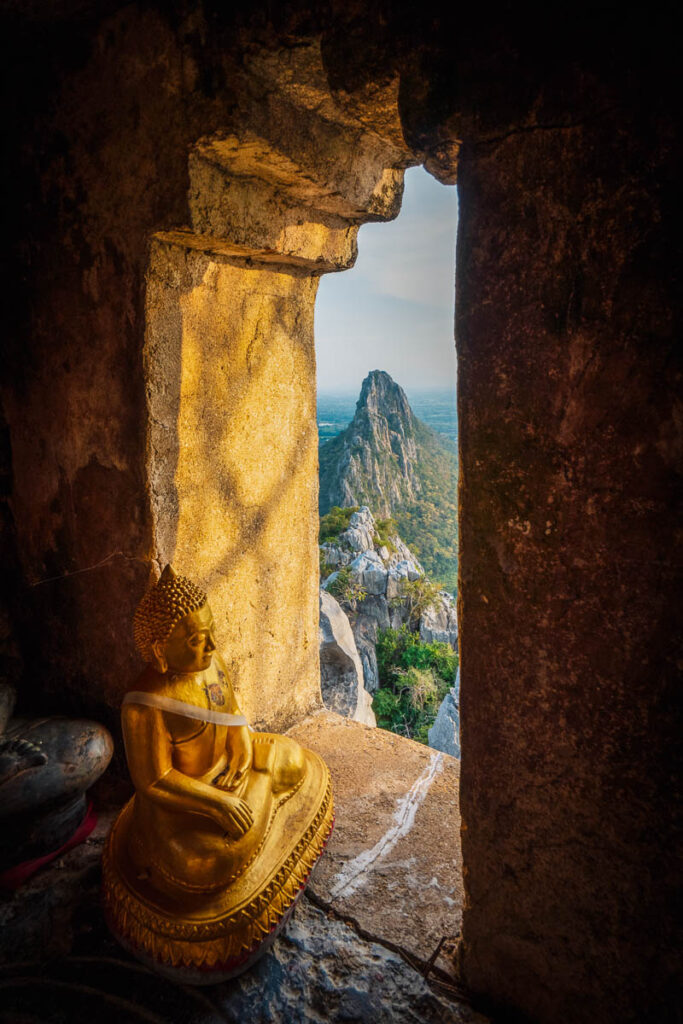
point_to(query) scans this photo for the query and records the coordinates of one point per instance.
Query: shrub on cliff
(335, 522)
(414, 678)
(417, 596)
(386, 529)
(410, 706)
(346, 589)
(401, 649)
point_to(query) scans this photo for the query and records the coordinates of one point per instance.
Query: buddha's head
(173, 625)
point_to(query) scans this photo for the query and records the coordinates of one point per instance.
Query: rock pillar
(567, 412)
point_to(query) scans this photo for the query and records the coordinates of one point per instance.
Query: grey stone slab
(393, 863)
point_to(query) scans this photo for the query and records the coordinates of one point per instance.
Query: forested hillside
(391, 461)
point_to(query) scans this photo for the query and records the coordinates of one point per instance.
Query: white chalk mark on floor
(353, 875)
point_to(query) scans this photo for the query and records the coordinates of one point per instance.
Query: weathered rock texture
(569, 443)
(341, 669)
(162, 401)
(393, 864)
(232, 476)
(440, 621)
(445, 733)
(319, 970)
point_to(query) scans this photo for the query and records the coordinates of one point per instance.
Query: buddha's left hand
(239, 759)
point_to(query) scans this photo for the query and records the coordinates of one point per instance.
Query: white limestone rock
(368, 570)
(372, 615)
(341, 669)
(440, 621)
(444, 735)
(334, 557)
(361, 531)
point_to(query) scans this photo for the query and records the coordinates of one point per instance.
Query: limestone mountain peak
(381, 395)
(391, 461)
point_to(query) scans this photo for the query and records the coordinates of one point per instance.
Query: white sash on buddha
(179, 707)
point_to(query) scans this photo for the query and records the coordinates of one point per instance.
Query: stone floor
(383, 896)
(394, 865)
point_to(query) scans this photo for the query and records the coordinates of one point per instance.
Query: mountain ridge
(391, 461)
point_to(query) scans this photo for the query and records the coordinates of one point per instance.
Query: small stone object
(46, 766)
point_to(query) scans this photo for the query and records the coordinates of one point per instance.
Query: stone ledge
(244, 255)
(393, 865)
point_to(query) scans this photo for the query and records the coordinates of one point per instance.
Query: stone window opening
(231, 392)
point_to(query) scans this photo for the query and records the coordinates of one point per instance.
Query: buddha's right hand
(235, 816)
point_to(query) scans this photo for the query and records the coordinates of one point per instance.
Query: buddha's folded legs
(189, 851)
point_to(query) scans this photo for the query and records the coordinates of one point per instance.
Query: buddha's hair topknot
(162, 608)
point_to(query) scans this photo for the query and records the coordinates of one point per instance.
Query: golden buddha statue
(203, 865)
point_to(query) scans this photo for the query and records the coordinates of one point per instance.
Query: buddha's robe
(178, 835)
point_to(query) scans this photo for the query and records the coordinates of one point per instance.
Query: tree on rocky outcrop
(418, 596)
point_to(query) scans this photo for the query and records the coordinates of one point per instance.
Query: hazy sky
(393, 311)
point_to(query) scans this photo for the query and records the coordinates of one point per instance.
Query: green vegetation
(414, 678)
(429, 525)
(335, 522)
(417, 595)
(345, 588)
(386, 529)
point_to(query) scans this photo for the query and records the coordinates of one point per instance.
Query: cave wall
(568, 411)
(562, 136)
(232, 463)
(94, 173)
(569, 399)
(180, 183)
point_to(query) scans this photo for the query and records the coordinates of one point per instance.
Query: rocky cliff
(391, 461)
(379, 572)
(341, 669)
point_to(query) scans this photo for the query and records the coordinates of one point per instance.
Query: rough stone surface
(42, 919)
(232, 477)
(319, 971)
(445, 733)
(393, 863)
(371, 615)
(570, 654)
(440, 622)
(341, 669)
(358, 547)
(59, 964)
(166, 410)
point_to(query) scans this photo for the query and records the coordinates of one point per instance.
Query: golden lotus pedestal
(206, 938)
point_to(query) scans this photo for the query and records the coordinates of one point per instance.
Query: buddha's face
(191, 645)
